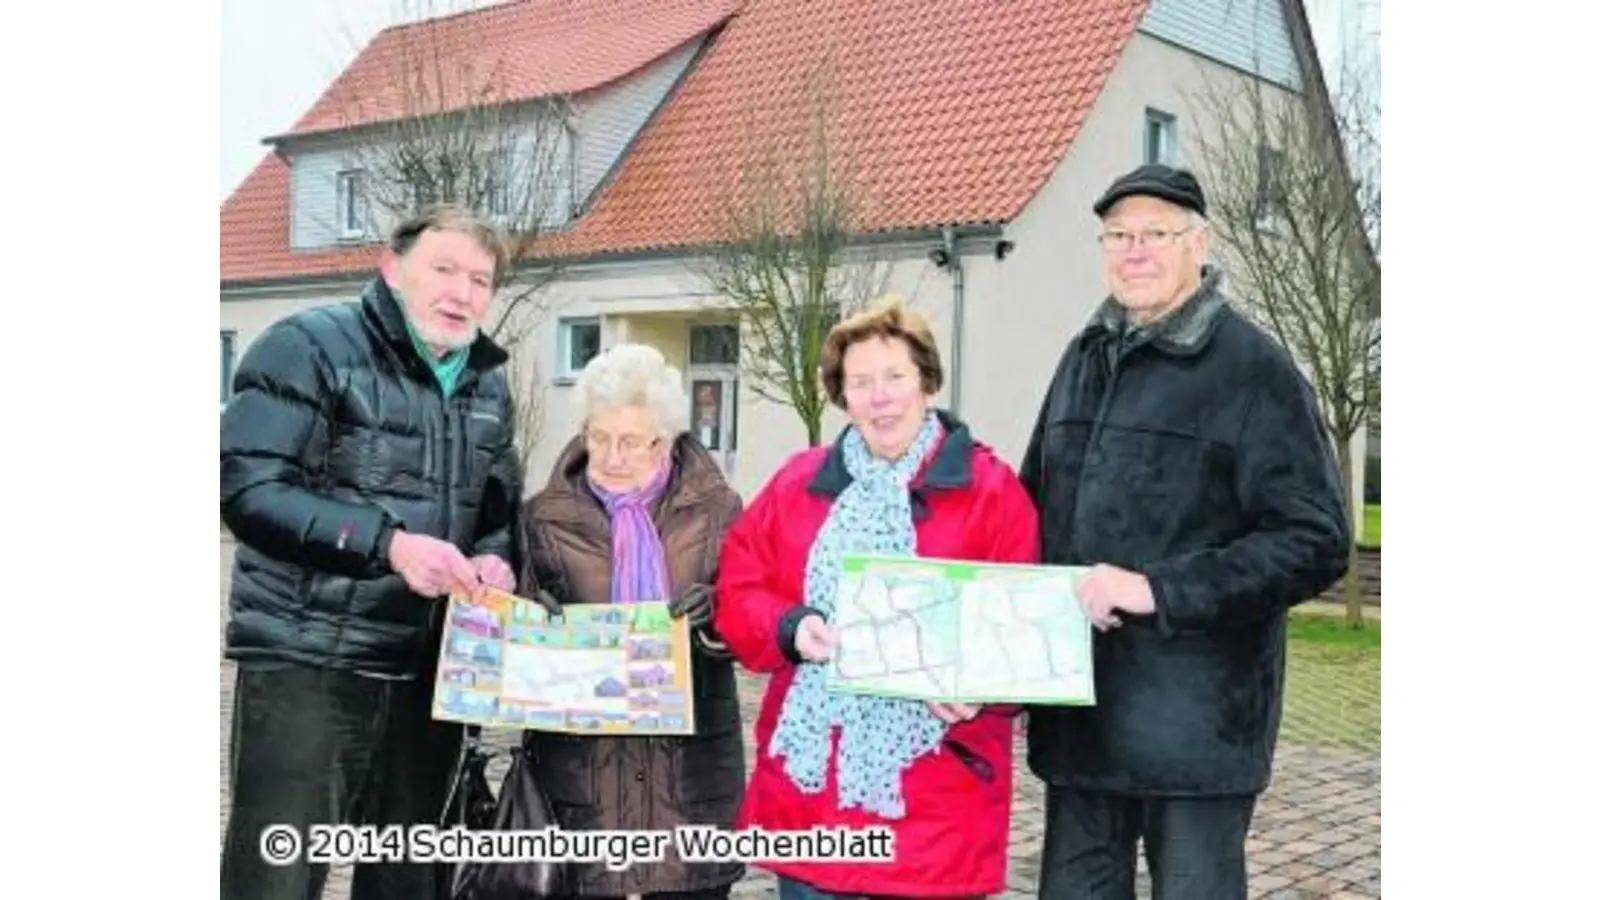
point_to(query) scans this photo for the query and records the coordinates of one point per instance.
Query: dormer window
(352, 205)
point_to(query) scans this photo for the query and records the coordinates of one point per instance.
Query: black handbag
(522, 806)
(470, 803)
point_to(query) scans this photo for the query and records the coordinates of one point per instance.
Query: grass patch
(1331, 631)
(1333, 690)
(1372, 525)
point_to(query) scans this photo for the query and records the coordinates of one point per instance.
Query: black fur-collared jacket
(1190, 451)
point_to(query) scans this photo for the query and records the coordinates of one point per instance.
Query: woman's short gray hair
(635, 375)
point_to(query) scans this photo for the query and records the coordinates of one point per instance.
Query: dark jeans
(314, 747)
(1195, 848)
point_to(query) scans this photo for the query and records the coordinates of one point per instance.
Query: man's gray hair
(1199, 223)
(635, 375)
(453, 217)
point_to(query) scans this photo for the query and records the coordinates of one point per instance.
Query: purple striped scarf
(638, 562)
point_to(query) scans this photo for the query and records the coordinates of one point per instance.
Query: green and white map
(954, 631)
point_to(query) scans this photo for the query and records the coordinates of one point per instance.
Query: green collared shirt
(446, 370)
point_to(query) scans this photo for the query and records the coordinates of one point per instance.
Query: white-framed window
(572, 205)
(500, 167)
(713, 345)
(577, 342)
(227, 366)
(1272, 198)
(351, 212)
(497, 203)
(1160, 137)
(423, 194)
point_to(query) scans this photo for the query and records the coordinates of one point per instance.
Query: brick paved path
(1316, 830)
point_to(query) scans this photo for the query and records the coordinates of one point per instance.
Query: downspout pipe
(958, 298)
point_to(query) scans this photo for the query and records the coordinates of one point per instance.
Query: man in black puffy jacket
(1181, 455)
(368, 470)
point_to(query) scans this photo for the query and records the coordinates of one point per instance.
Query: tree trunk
(814, 430)
(1354, 589)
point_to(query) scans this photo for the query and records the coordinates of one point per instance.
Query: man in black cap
(1179, 453)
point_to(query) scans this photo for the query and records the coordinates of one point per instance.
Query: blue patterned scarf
(879, 737)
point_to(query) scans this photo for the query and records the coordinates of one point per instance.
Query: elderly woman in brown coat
(635, 509)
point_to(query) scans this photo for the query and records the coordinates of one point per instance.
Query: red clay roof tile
(953, 112)
(519, 51)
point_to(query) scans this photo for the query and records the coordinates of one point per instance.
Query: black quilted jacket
(337, 430)
(1192, 452)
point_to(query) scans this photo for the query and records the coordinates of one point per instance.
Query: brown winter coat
(638, 783)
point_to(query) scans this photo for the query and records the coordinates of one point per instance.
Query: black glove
(545, 599)
(695, 603)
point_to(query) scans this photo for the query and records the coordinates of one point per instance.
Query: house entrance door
(714, 391)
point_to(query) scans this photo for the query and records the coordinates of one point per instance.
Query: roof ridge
(552, 47)
(434, 20)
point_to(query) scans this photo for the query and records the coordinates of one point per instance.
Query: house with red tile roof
(982, 131)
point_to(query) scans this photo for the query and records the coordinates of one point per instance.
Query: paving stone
(1316, 833)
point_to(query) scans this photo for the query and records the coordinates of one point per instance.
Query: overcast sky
(279, 55)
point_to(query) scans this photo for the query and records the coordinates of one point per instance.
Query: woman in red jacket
(901, 479)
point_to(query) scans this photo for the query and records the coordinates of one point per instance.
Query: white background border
(1492, 250)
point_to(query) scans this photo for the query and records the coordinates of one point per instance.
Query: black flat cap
(1155, 180)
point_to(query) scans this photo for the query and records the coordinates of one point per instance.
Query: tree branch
(787, 267)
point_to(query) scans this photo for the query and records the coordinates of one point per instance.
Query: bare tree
(528, 390)
(791, 267)
(441, 123)
(1302, 231)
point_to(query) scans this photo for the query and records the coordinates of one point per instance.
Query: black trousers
(1194, 847)
(315, 747)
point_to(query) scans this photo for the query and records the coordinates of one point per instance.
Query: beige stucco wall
(649, 302)
(1022, 312)
(655, 303)
(247, 318)
(667, 333)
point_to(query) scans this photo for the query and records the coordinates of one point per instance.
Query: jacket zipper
(436, 611)
(449, 464)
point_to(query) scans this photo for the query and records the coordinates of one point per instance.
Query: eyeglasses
(1118, 241)
(629, 445)
(892, 383)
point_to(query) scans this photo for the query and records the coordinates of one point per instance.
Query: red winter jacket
(968, 504)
